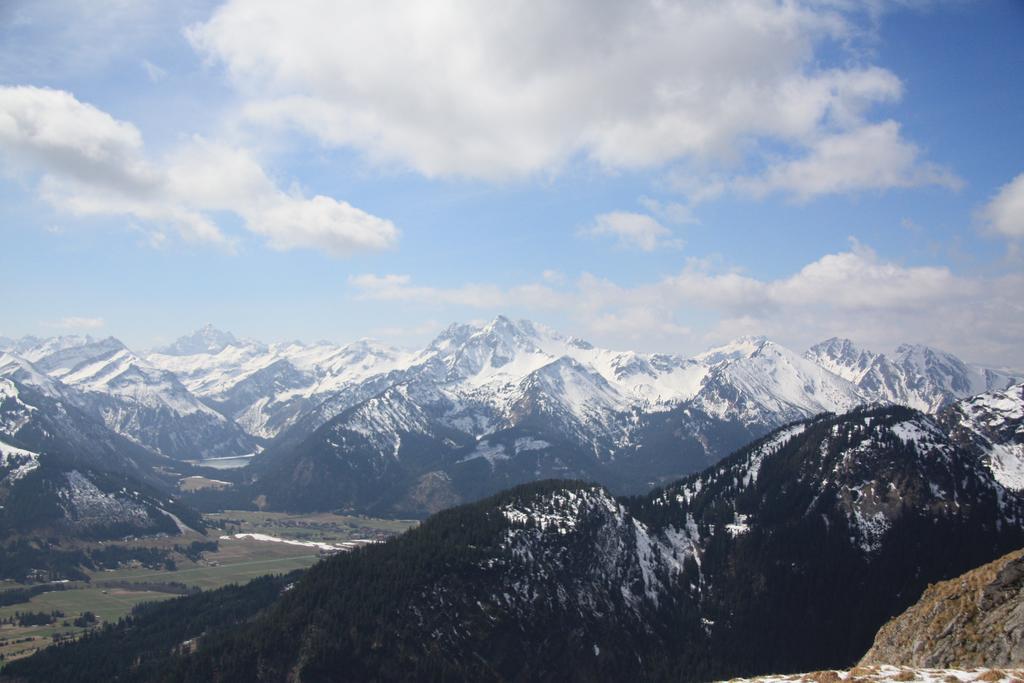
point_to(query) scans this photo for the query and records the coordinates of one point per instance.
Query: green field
(312, 527)
(112, 593)
(108, 605)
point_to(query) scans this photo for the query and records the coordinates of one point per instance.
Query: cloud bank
(852, 293)
(527, 87)
(93, 164)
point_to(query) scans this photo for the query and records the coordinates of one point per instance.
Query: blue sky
(660, 176)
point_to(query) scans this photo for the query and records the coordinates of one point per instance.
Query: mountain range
(747, 510)
(788, 555)
(372, 428)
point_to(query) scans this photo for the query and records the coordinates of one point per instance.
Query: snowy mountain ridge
(916, 375)
(210, 393)
(489, 362)
(131, 397)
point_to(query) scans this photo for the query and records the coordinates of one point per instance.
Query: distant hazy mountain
(788, 555)
(206, 339)
(917, 376)
(143, 403)
(265, 389)
(367, 426)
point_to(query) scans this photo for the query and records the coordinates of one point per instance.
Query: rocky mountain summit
(976, 619)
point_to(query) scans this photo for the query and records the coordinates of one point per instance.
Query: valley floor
(111, 594)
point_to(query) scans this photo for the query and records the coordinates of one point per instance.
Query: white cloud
(79, 323)
(871, 157)
(853, 293)
(632, 230)
(51, 129)
(525, 88)
(1004, 213)
(93, 164)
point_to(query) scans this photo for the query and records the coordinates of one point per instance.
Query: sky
(656, 175)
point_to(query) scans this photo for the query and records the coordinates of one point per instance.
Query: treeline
(33, 618)
(85, 619)
(16, 596)
(113, 556)
(195, 549)
(39, 560)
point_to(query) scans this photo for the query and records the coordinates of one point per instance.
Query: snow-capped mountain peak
(842, 357)
(206, 339)
(916, 375)
(942, 369)
(742, 347)
(502, 380)
(760, 381)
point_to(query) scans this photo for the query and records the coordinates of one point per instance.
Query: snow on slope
(761, 381)
(850, 460)
(16, 461)
(266, 388)
(326, 367)
(20, 370)
(144, 403)
(917, 376)
(994, 422)
(206, 339)
(629, 553)
(481, 378)
(15, 413)
(506, 352)
(478, 379)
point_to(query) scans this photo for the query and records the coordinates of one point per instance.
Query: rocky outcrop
(974, 620)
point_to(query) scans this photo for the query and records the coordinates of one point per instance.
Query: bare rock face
(976, 619)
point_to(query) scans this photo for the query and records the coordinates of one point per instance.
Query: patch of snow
(490, 453)
(739, 526)
(768, 448)
(21, 461)
(212, 481)
(1006, 460)
(321, 545)
(530, 444)
(916, 431)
